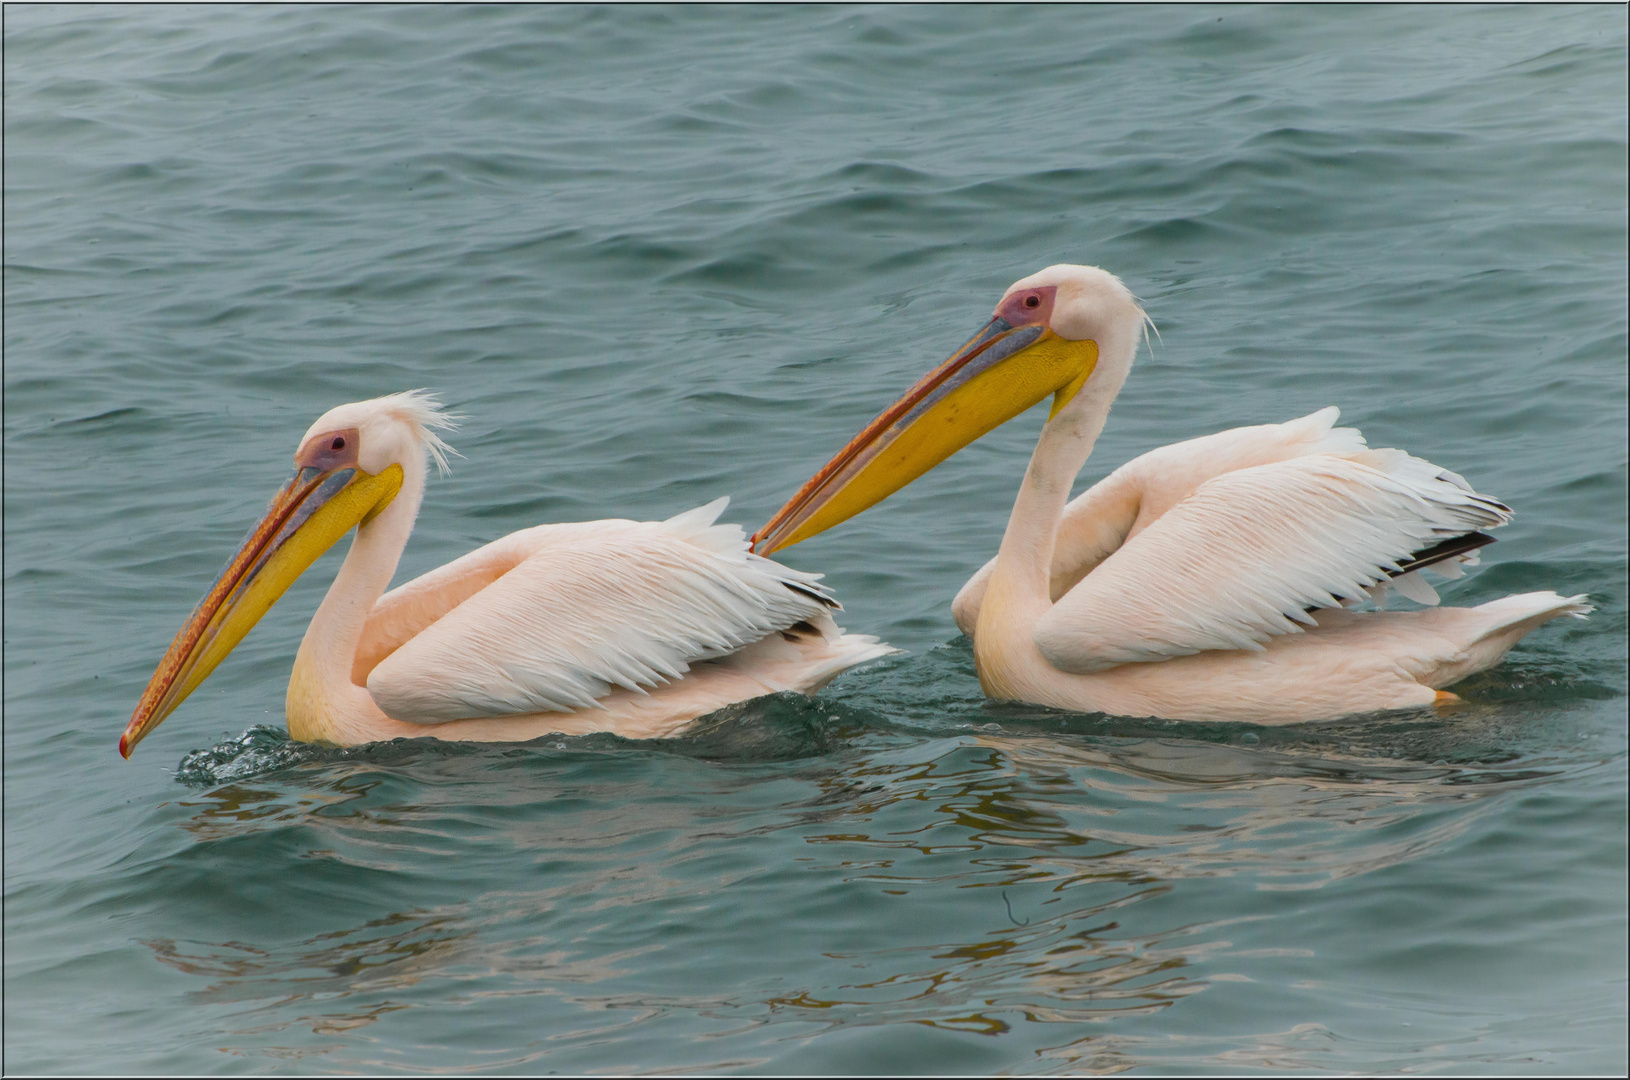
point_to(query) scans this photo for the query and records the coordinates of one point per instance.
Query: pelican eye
(1032, 301)
(338, 443)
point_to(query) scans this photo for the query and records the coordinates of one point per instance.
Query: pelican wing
(589, 609)
(403, 613)
(1242, 558)
(1128, 500)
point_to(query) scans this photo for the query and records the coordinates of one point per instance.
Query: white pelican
(622, 626)
(1206, 580)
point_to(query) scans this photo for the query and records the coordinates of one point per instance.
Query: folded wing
(592, 608)
(1242, 557)
(1128, 500)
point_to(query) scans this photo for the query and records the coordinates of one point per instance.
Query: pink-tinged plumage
(629, 627)
(1206, 580)
(1187, 573)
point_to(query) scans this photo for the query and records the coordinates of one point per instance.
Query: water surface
(659, 255)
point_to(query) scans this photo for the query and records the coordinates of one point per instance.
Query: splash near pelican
(629, 627)
(1207, 580)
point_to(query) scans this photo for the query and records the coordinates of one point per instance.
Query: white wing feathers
(1241, 558)
(593, 608)
(1121, 505)
(1166, 475)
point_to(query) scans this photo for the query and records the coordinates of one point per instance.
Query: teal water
(659, 255)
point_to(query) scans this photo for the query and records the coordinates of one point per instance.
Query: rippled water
(659, 255)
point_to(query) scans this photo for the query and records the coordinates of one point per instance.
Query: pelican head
(1056, 332)
(350, 466)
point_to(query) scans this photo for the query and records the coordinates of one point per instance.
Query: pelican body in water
(1207, 580)
(624, 626)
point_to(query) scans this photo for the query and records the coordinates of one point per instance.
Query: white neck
(1019, 590)
(1026, 556)
(322, 697)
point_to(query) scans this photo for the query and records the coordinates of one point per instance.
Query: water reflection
(1068, 967)
(982, 882)
(1291, 820)
(1128, 819)
(383, 954)
(1029, 808)
(356, 976)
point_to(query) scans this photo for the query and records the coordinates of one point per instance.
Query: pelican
(629, 627)
(1207, 580)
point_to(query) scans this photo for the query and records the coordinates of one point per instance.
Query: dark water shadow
(936, 693)
(778, 727)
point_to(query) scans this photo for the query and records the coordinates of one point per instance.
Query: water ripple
(658, 255)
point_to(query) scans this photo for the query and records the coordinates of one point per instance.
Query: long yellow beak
(306, 518)
(996, 376)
